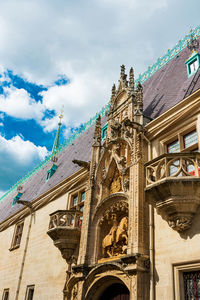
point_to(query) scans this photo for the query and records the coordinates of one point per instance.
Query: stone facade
(140, 225)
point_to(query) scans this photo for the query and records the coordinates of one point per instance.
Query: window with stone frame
(29, 292)
(17, 236)
(77, 201)
(5, 294)
(191, 285)
(187, 281)
(186, 141)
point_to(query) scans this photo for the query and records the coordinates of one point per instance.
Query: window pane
(174, 168)
(104, 133)
(82, 208)
(6, 295)
(190, 139)
(30, 294)
(75, 200)
(173, 147)
(193, 66)
(192, 285)
(82, 196)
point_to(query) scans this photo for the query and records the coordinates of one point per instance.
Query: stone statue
(116, 241)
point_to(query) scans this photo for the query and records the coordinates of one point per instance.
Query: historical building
(115, 212)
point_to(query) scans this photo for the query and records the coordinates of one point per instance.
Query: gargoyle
(81, 163)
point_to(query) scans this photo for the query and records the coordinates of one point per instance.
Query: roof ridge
(161, 61)
(83, 127)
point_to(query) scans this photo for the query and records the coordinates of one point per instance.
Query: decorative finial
(122, 71)
(55, 148)
(193, 43)
(61, 115)
(113, 90)
(131, 78)
(138, 106)
(19, 188)
(122, 82)
(139, 93)
(113, 94)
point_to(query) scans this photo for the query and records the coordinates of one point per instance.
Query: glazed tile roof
(168, 86)
(162, 90)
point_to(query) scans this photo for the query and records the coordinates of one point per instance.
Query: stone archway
(108, 288)
(116, 291)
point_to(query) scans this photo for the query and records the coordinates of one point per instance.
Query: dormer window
(104, 131)
(16, 198)
(51, 171)
(193, 63)
(193, 66)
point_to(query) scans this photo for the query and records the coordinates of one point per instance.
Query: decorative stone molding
(118, 206)
(173, 187)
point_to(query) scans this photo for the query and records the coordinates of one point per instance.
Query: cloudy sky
(68, 53)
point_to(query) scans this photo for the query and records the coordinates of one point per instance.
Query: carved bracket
(173, 187)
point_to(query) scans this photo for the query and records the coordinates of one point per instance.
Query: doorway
(116, 291)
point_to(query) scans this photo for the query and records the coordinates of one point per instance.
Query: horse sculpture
(115, 242)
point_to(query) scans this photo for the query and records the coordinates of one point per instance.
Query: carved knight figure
(116, 241)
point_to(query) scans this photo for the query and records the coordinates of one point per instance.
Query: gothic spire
(113, 94)
(122, 81)
(56, 141)
(131, 78)
(97, 132)
(122, 73)
(138, 107)
(139, 94)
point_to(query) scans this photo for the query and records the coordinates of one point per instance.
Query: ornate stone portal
(114, 233)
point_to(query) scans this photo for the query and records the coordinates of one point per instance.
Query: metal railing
(173, 165)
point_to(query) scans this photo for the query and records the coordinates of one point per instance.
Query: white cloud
(17, 103)
(79, 101)
(1, 124)
(87, 41)
(22, 151)
(17, 157)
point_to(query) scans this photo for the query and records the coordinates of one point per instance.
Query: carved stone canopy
(113, 170)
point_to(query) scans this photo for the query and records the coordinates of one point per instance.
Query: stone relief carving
(116, 184)
(180, 224)
(116, 241)
(75, 292)
(116, 129)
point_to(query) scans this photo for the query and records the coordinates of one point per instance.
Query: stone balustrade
(65, 218)
(173, 165)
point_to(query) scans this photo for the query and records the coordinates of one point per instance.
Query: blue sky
(67, 54)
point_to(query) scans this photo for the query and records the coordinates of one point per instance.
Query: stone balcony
(173, 187)
(64, 230)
